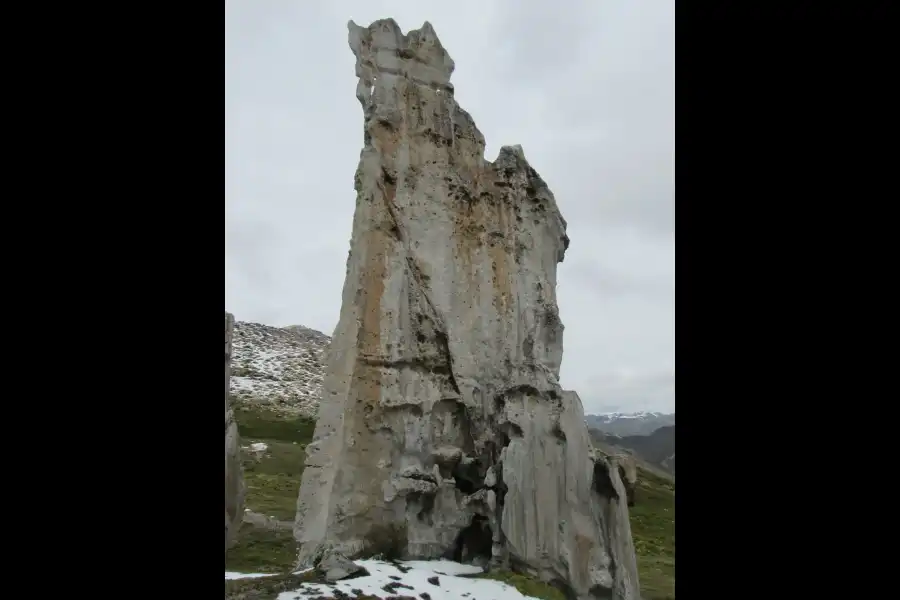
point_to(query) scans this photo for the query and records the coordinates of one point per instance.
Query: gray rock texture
(442, 429)
(234, 481)
(334, 567)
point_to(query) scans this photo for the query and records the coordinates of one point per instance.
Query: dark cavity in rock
(474, 541)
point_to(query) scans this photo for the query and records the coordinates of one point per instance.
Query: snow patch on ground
(412, 580)
(233, 575)
(383, 575)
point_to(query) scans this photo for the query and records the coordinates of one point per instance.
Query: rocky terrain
(265, 543)
(279, 368)
(656, 449)
(273, 441)
(622, 424)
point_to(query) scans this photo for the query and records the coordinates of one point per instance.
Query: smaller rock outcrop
(612, 499)
(335, 566)
(627, 468)
(234, 480)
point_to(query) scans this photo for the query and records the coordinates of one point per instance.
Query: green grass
(261, 550)
(653, 530)
(273, 484)
(266, 425)
(526, 585)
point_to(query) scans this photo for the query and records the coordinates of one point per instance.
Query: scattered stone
(394, 586)
(434, 580)
(400, 566)
(335, 566)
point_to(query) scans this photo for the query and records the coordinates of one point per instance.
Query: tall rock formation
(443, 430)
(234, 481)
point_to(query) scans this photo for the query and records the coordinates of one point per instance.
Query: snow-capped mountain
(637, 423)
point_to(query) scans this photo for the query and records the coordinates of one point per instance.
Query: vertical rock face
(234, 482)
(442, 427)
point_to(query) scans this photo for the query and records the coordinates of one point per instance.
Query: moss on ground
(273, 483)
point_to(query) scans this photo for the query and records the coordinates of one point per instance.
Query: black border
(721, 502)
(131, 230)
(143, 241)
(775, 113)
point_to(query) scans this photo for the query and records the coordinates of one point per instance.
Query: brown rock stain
(468, 225)
(364, 410)
(580, 568)
(498, 251)
(366, 379)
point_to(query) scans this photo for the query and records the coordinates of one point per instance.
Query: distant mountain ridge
(626, 424)
(657, 449)
(649, 436)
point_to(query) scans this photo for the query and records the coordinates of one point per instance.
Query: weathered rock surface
(234, 481)
(627, 468)
(442, 429)
(334, 567)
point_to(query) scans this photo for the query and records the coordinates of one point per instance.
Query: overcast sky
(587, 87)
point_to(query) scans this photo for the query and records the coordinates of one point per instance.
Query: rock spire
(442, 427)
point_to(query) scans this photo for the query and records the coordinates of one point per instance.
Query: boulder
(334, 566)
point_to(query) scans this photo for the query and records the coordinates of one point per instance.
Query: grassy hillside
(273, 482)
(653, 529)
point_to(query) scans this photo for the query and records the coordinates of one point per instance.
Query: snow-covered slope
(279, 367)
(437, 580)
